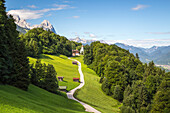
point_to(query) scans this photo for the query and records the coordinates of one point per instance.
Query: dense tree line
(76, 45)
(139, 86)
(39, 41)
(14, 64)
(44, 76)
(14, 67)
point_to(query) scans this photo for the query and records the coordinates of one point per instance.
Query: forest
(140, 87)
(39, 41)
(15, 48)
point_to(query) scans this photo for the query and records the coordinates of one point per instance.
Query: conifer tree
(5, 59)
(14, 67)
(161, 103)
(21, 67)
(50, 79)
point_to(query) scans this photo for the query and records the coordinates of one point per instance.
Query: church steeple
(82, 50)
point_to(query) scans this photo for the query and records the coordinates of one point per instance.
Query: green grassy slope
(92, 94)
(35, 100)
(63, 67)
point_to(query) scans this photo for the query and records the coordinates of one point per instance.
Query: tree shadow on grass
(43, 56)
(63, 57)
(64, 81)
(75, 56)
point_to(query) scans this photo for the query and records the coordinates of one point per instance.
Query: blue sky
(110, 20)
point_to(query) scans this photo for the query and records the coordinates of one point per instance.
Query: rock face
(22, 25)
(21, 22)
(46, 25)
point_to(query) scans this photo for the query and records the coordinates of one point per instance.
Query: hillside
(125, 78)
(92, 94)
(63, 67)
(35, 100)
(160, 55)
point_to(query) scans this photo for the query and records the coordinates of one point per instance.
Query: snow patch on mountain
(84, 41)
(21, 23)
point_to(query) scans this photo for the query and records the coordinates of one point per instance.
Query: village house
(60, 78)
(75, 53)
(74, 62)
(63, 88)
(76, 79)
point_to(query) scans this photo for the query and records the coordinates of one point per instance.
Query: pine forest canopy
(14, 50)
(39, 41)
(125, 78)
(141, 87)
(14, 64)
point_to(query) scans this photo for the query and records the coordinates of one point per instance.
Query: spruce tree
(14, 66)
(21, 66)
(5, 59)
(50, 79)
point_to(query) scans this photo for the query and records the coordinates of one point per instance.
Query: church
(82, 50)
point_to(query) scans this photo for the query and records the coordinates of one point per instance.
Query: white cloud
(32, 6)
(76, 17)
(35, 14)
(27, 14)
(86, 32)
(138, 7)
(92, 35)
(66, 1)
(61, 6)
(49, 15)
(147, 43)
(158, 33)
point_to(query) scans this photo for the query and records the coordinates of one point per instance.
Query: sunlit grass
(92, 94)
(35, 100)
(63, 67)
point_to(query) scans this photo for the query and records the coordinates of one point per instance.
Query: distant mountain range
(84, 41)
(23, 26)
(160, 55)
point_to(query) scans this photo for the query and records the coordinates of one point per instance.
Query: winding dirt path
(82, 82)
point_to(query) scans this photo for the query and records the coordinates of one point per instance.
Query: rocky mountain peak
(21, 23)
(46, 23)
(77, 38)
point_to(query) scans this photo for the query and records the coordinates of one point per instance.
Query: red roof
(75, 50)
(76, 78)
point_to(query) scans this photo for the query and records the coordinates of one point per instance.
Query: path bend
(70, 94)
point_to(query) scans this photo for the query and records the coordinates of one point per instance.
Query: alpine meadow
(84, 56)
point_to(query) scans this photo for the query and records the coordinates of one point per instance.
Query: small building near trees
(75, 53)
(60, 78)
(63, 88)
(82, 50)
(74, 62)
(76, 79)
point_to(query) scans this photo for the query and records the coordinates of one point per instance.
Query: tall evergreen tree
(161, 103)
(5, 59)
(14, 67)
(21, 67)
(50, 79)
